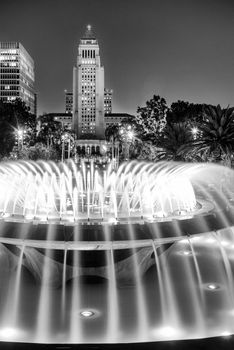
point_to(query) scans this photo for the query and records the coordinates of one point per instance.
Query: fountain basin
(130, 271)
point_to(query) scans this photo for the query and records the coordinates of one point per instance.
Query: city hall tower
(88, 90)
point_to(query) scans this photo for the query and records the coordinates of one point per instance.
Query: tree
(215, 142)
(151, 119)
(112, 133)
(17, 126)
(39, 151)
(182, 111)
(125, 136)
(58, 139)
(146, 151)
(172, 141)
(50, 132)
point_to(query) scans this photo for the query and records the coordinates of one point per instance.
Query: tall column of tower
(100, 103)
(88, 90)
(75, 101)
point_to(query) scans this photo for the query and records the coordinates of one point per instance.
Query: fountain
(92, 255)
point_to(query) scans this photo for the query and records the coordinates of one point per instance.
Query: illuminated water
(67, 192)
(89, 255)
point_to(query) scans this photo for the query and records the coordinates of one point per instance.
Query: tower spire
(89, 32)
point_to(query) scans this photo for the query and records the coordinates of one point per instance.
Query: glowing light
(194, 131)
(8, 333)
(151, 218)
(224, 243)
(226, 334)
(20, 133)
(196, 238)
(213, 286)
(71, 219)
(87, 313)
(130, 134)
(187, 252)
(112, 220)
(166, 332)
(183, 241)
(210, 240)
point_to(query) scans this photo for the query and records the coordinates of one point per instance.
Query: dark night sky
(179, 49)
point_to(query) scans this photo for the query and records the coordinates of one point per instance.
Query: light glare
(8, 333)
(87, 313)
(212, 286)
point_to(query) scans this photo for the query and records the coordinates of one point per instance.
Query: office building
(16, 74)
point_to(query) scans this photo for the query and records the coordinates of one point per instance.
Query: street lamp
(195, 131)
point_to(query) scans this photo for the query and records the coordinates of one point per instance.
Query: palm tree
(125, 137)
(112, 135)
(216, 136)
(174, 137)
(112, 132)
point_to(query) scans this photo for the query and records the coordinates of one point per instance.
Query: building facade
(110, 119)
(108, 101)
(65, 119)
(68, 102)
(117, 118)
(88, 90)
(17, 74)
